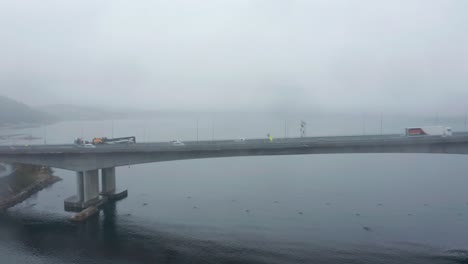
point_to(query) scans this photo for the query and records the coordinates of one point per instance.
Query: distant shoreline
(18, 136)
(22, 125)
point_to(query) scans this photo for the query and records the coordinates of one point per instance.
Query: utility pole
(465, 120)
(285, 129)
(363, 124)
(381, 123)
(197, 130)
(45, 135)
(303, 129)
(212, 128)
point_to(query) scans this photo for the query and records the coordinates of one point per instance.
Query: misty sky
(225, 55)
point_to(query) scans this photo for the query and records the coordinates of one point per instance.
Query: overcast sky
(225, 55)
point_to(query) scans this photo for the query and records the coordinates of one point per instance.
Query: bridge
(88, 161)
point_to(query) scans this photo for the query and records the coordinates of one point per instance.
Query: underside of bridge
(87, 189)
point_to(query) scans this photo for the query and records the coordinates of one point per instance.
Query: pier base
(74, 204)
(109, 186)
(115, 195)
(87, 190)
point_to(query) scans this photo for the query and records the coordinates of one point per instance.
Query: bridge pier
(87, 192)
(91, 185)
(79, 186)
(109, 189)
(108, 180)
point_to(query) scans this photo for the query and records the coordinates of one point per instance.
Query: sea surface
(350, 208)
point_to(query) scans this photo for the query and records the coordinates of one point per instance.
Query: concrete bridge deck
(88, 161)
(78, 158)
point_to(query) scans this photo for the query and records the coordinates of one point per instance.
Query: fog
(237, 55)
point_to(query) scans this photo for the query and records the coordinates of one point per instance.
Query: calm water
(389, 208)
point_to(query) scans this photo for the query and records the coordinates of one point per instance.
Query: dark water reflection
(103, 240)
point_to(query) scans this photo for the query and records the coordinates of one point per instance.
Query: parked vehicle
(176, 143)
(428, 131)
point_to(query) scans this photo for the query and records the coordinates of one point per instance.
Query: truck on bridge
(121, 140)
(105, 140)
(428, 131)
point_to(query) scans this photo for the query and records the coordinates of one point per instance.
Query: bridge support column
(108, 180)
(109, 189)
(79, 186)
(91, 185)
(87, 192)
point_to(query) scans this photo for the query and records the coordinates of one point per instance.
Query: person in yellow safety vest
(270, 138)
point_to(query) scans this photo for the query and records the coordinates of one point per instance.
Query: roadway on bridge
(233, 144)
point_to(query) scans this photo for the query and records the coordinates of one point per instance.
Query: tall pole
(363, 123)
(381, 123)
(303, 129)
(465, 120)
(285, 133)
(112, 128)
(45, 135)
(212, 128)
(197, 130)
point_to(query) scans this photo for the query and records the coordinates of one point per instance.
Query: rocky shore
(42, 182)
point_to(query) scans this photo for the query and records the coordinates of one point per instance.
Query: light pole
(465, 120)
(45, 135)
(285, 129)
(381, 123)
(303, 129)
(364, 124)
(197, 130)
(212, 129)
